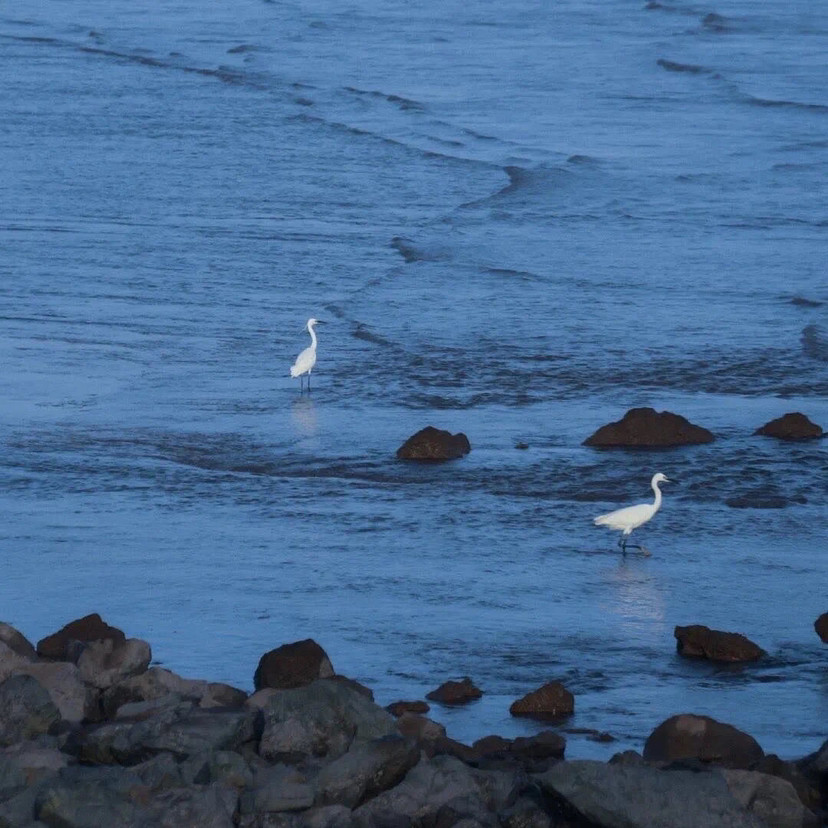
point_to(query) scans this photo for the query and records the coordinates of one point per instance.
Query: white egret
(307, 359)
(631, 517)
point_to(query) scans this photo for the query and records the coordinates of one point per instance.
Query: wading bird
(307, 359)
(631, 517)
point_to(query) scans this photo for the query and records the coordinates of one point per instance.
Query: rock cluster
(91, 735)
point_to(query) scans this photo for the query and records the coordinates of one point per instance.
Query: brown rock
(648, 428)
(434, 444)
(455, 692)
(698, 641)
(544, 745)
(423, 731)
(293, 665)
(552, 701)
(399, 707)
(688, 736)
(58, 646)
(792, 426)
(821, 626)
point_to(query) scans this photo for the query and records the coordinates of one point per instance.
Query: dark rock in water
(92, 627)
(821, 626)
(551, 701)
(400, 707)
(26, 710)
(791, 426)
(455, 692)
(688, 736)
(698, 641)
(434, 444)
(544, 745)
(648, 428)
(293, 665)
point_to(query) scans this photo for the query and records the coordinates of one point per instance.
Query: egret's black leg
(308, 382)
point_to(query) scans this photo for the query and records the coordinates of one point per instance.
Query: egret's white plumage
(631, 517)
(307, 359)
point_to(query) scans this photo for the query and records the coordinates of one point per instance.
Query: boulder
(771, 799)
(293, 665)
(11, 661)
(544, 745)
(687, 736)
(698, 641)
(75, 700)
(638, 796)
(322, 719)
(791, 426)
(211, 806)
(17, 642)
(26, 709)
(60, 645)
(551, 701)
(422, 731)
(808, 794)
(821, 627)
(400, 707)
(648, 428)
(107, 661)
(157, 682)
(275, 789)
(455, 692)
(366, 770)
(434, 444)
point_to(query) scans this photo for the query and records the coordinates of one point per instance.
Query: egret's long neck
(657, 501)
(313, 336)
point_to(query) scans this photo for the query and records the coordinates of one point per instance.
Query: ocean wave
(688, 68)
(815, 342)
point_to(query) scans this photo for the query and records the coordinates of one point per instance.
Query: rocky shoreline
(91, 735)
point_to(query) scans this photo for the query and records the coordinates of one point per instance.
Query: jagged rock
(327, 816)
(424, 732)
(212, 806)
(771, 799)
(161, 772)
(17, 642)
(353, 684)
(293, 665)
(429, 787)
(455, 692)
(434, 444)
(688, 736)
(224, 767)
(698, 641)
(107, 662)
(11, 661)
(26, 709)
(544, 745)
(75, 700)
(400, 707)
(277, 788)
(321, 719)
(525, 813)
(92, 627)
(638, 796)
(791, 426)
(808, 794)
(551, 701)
(157, 682)
(821, 627)
(648, 428)
(365, 770)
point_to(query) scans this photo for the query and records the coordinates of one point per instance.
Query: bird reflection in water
(303, 413)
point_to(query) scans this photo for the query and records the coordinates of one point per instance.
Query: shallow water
(517, 223)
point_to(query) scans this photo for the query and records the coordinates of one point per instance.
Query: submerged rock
(791, 426)
(698, 641)
(551, 701)
(455, 692)
(821, 626)
(398, 708)
(434, 444)
(688, 736)
(648, 428)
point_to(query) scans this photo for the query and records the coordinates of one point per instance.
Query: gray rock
(25, 763)
(327, 816)
(631, 796)
(26, 709)
(157, 682)
(16, 642)
(198, 807)
(161, 772)
(525, 813)
(773, 800)
(75, 700)
(225, 767)
(365, 770)
(108, 661)
(430, 785)
(19, 811)
(10, 661)
(322, 719)
(277, 788)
